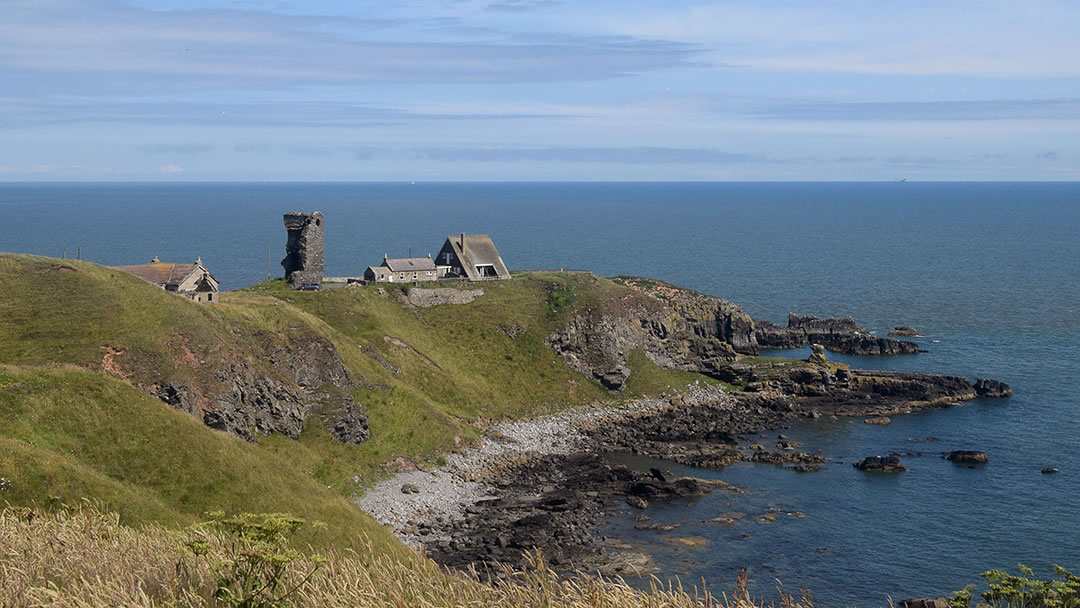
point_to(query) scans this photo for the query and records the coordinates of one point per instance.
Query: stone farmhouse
(192, 281)
(402, 270)
(472, 257)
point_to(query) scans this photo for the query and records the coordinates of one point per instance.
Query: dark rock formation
(967, 457)
(837, 335)
(1049, 470)
(880, 464)
(985, 387)
(303, 261)
(675, 328)
(904, 331)
(552, 504)
(246, 399)
(615, 378)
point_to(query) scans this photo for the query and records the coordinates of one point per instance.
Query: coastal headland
(472, 423)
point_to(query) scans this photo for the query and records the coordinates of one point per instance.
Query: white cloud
(171, 169)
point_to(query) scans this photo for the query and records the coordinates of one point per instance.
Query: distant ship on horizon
(900, 180)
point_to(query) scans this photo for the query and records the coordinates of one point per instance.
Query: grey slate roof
(410, 264)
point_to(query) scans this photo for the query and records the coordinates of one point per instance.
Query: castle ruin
(303, 261)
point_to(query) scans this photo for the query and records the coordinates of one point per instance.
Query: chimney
(462, 243)
(198, 261)
(384, 259)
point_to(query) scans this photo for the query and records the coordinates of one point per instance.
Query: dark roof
(479, 250)
(409, 264)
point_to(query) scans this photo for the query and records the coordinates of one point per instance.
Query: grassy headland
(81, 344)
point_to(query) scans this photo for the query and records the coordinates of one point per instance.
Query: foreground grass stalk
(78, 557)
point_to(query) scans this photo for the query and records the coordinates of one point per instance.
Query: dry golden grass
(79, 557)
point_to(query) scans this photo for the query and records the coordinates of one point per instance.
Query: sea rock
(1049, 470)
(880, 464)
(838, 335)
(967, 457)
(817, 355)
(804, 468)
(689, 541)
(637, 502)
(903, 330)
(658, 527)
(985, 387)
(879, 420)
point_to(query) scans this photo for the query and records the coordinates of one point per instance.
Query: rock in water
(985, 387)
(879, 420)
(1049, 470)
(303, 261)
(880, 464)
(637, 502)
(967, 456)
(903, 330)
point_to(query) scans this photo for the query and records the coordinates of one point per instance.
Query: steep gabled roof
(479, 250)
(165, 273)
(409, 264)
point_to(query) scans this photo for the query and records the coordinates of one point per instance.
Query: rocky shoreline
(543, 484)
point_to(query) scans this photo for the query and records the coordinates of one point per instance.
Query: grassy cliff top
(81, 345)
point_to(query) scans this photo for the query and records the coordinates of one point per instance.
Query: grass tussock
(80, 557)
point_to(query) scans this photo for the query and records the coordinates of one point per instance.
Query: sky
(538, 90)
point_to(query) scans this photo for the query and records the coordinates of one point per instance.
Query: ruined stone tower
(303, 261)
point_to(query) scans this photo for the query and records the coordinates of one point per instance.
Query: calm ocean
(989, 273)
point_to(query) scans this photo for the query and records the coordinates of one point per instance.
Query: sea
(989, 273)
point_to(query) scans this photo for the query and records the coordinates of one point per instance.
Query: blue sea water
(988, 272)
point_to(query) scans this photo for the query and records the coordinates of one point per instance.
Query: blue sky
(538, 90)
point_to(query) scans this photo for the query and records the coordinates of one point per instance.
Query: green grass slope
(68, 434)
(81, 344)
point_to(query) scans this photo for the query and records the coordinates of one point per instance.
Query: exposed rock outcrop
(675, 328)
(904, 330)
(985, 387)
(308, 379)
(880, 464)
(838, 335)
(967, 457)
(426, 298)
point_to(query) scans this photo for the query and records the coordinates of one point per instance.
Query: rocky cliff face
(675, 328)
(838, 335)
(308, 380)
